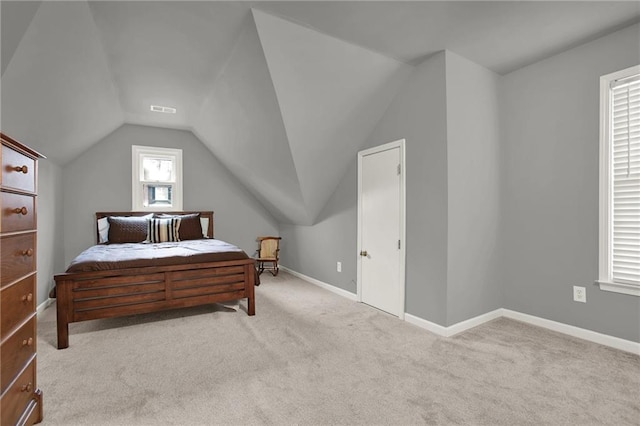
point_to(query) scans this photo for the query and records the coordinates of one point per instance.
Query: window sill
(631, 289)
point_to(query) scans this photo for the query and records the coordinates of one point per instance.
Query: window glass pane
(157, 169)
(157, 178)
(157, 195)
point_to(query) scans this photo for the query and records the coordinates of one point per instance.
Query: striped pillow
(190, 226)
(163, 230)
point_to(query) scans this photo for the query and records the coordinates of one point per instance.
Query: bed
(122, 277)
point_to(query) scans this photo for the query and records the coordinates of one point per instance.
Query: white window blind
(619, 241)
(625, 170)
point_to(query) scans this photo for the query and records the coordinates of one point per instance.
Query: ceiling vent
(166, 110)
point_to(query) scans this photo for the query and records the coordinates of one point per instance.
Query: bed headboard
(203, 215)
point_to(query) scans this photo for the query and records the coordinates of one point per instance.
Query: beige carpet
(312, 357)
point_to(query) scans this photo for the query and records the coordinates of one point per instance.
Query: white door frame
(403, 237)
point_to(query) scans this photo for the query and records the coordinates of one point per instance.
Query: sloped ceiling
(57, 91)
(331, 95)
(166, 53)
(240, 122)
(499, 35)
(17, 17)
(283, 93)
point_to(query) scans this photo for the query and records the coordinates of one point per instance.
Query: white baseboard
(44, 305)
(581, 333)
(570, 330)
(331, 288)
(427, 325)
(454, 329)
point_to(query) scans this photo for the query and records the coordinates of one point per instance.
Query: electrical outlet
(339, 267)
(579, 294)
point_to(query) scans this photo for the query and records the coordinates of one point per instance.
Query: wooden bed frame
(83, 296)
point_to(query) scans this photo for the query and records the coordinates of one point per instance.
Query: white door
(381, 227)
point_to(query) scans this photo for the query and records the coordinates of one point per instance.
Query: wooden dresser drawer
(17, 304)
(33, 414)
(16, 351)
(17, 396)
(18, 212)
(18, 254)
(18, 170)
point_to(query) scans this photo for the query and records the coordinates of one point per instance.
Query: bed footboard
(86, 296)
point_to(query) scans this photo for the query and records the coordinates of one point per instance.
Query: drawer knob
(27, 297)
(27, 387)
(27, 252)
(27, 342)
(24, 169)
(23, 211)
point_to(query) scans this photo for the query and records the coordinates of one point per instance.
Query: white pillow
(103, 230)
(204, 223)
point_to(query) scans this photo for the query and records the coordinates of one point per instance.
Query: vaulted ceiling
(283, 93)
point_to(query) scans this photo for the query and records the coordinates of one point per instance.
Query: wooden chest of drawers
(20, 400)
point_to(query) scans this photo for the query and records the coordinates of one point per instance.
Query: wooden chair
(268, 250)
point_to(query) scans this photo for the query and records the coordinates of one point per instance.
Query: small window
(157, 178)
(619, 263)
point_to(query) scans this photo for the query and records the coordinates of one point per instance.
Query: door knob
(364, 253)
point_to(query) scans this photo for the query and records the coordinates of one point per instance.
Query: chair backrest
(269, 247)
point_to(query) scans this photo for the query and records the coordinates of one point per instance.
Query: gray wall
(100, 180)
(448, 114)
(550, 191)
(473, 177)
(50, 235)
(314, 250)
(417, 114)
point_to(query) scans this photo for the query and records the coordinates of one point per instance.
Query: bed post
(64, 307)
(250, 280)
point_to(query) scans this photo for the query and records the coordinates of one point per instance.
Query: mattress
(105, 257)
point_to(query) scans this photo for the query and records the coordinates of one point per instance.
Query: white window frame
(138, 153)
(605, 277)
